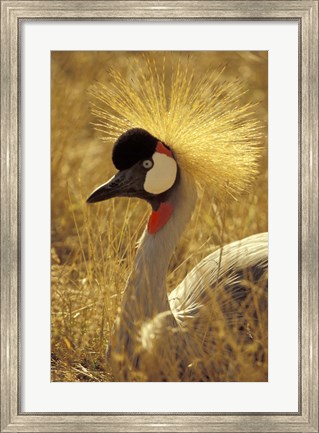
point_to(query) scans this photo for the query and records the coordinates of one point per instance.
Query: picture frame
(15, 12)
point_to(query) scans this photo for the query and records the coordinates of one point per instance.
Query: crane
(164, 145)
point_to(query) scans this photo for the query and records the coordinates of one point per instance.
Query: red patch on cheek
(159, 218)
(160, 148)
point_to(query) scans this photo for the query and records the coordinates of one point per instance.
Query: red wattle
(160, 148)
(160, 217)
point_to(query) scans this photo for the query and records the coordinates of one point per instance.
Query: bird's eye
(147, 163)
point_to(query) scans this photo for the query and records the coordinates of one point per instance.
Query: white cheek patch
(162, 175)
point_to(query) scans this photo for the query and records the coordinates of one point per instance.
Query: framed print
(209, 107)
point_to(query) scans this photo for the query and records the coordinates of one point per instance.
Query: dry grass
(93, 247)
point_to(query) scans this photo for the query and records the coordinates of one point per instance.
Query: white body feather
(195, 290)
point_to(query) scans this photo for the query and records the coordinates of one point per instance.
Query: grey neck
(145, 294)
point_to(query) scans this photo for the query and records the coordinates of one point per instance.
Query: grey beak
(124, 184)
(112, 188)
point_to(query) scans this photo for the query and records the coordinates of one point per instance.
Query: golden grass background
(93, 247)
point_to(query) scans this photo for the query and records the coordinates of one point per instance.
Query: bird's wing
(223, 270)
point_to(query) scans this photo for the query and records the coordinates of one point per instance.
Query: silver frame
(306, 14)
